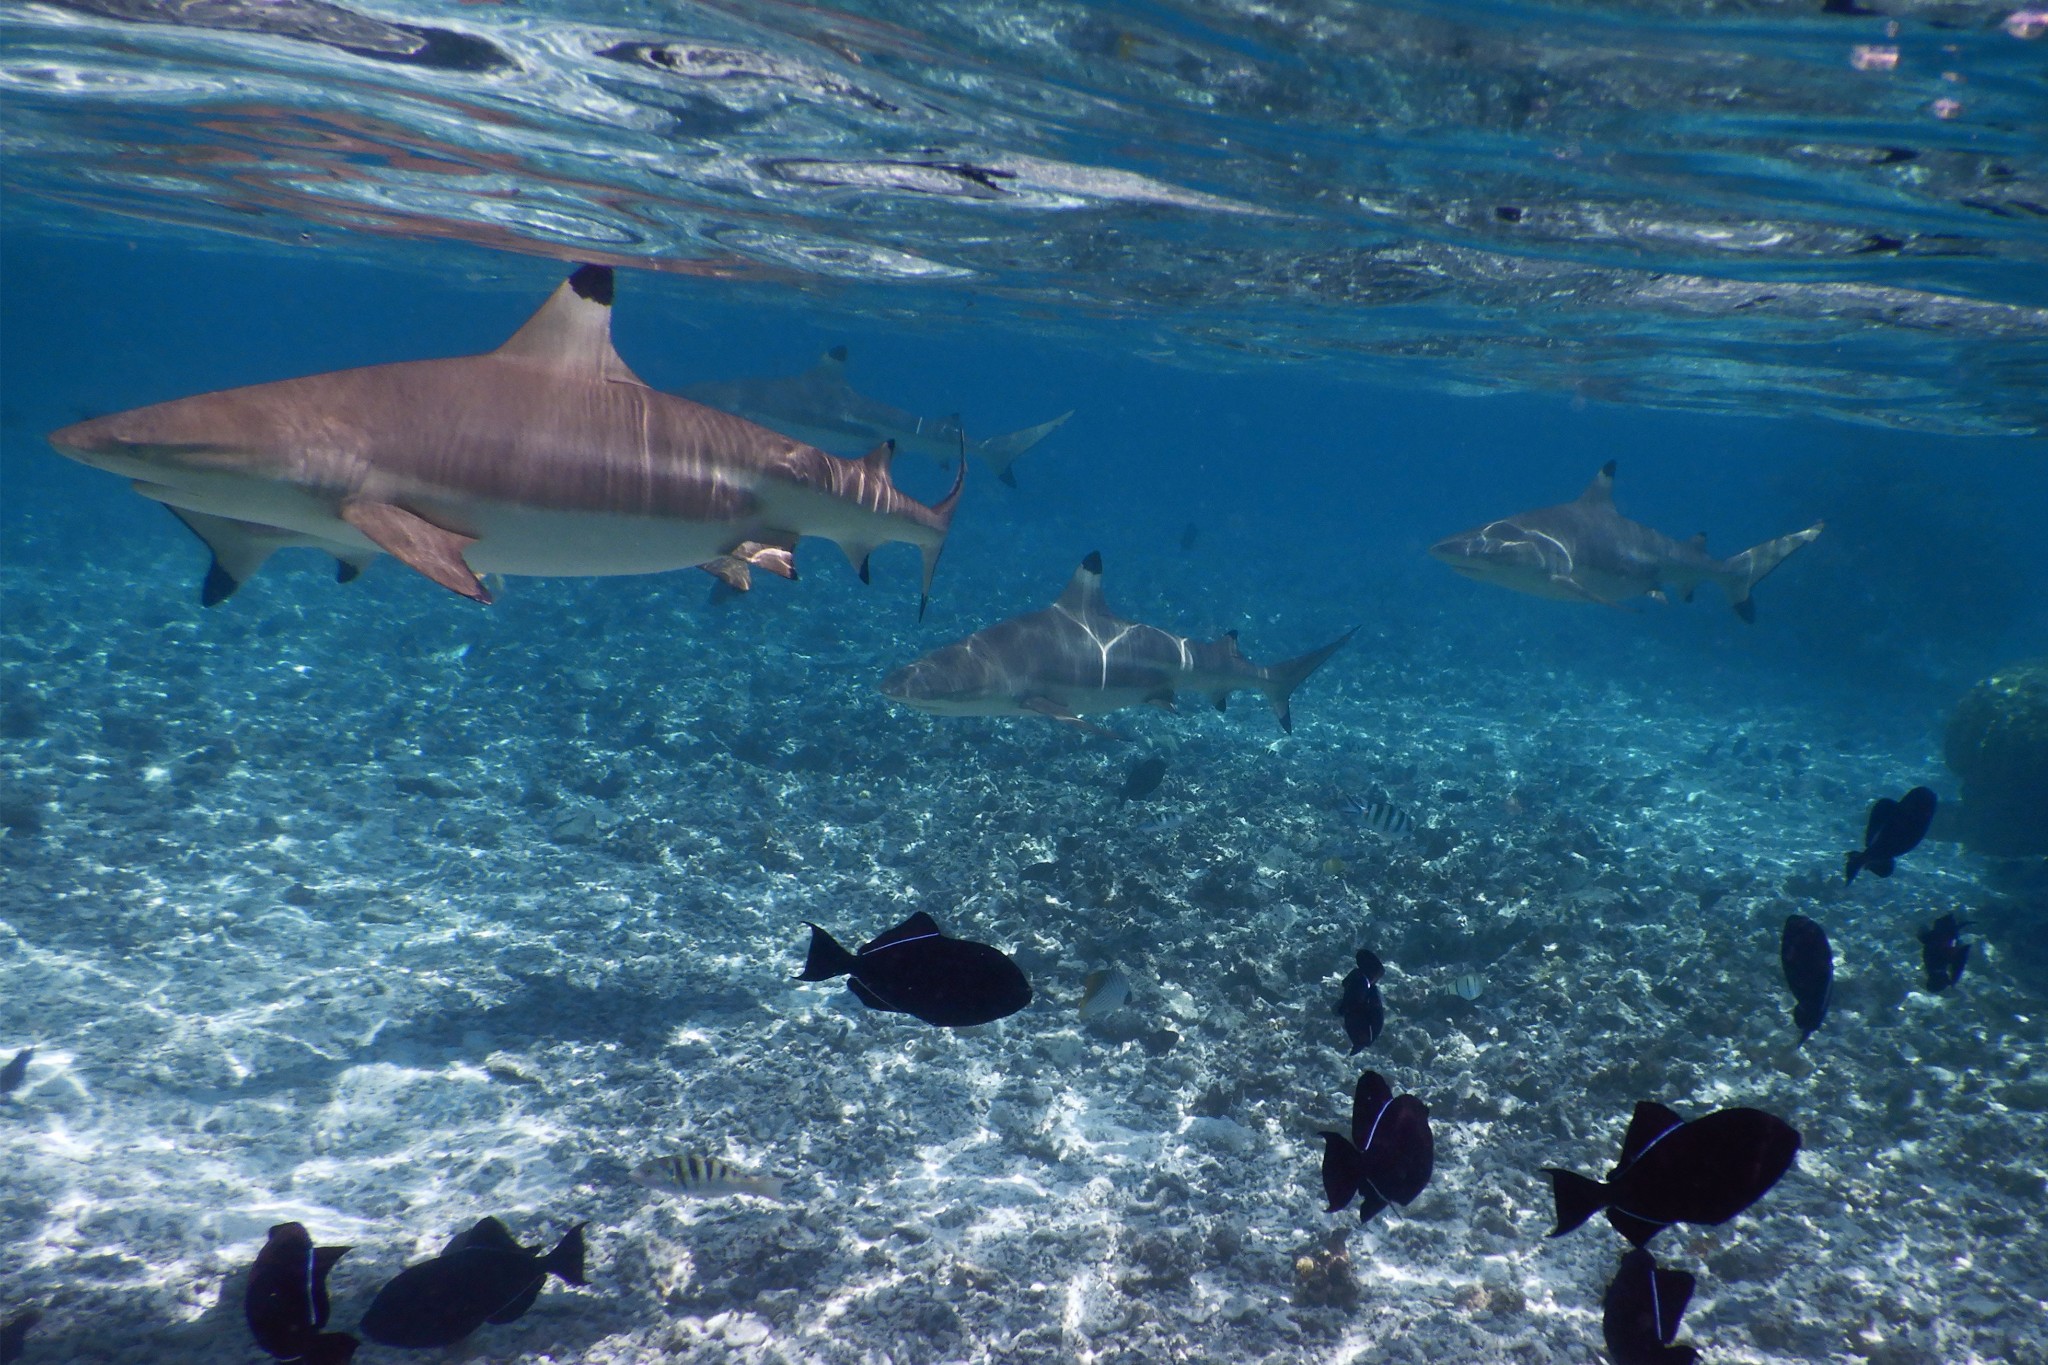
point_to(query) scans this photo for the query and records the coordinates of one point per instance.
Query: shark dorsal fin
(1601, 490)
(1084, 589)
(572, 331)
(833, 362)
(1699, 542)
(879, 459)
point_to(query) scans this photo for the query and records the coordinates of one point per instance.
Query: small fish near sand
(1672, 1171)
(1359, 1003)
(1639, 1316)
(1389, 1156)
(16, 1071)
(1809, 963)
(1143, 779)
(481, 1276)
(1942, 953)
(1893, 830)
(1382, 818)
(286, 1299)
(1103, 992)
(1468, 986)
(703, 1177)
(914, 969)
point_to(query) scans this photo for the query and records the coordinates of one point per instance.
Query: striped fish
(1383, 818)
(703, 1177)
(1102, 991)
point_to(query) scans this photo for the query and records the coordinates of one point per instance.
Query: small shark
(819, 406)
(545, 456)
(1077, 657)
(1586, 551)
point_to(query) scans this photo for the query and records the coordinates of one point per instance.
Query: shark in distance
(1077, 657)
(546, 456)
(821, 407)
(1586, 551)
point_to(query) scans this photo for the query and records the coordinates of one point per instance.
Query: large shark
(545, 456)
(1586, 551)
(819, 406)
(1078, 657)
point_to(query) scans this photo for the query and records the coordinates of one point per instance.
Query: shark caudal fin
(1000, 451)
(1283, 678)
(942, 519)
(1753, 565)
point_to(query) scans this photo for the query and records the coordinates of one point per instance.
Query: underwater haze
(362, 906)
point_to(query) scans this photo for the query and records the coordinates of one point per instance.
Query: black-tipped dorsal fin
(1651, 1122)
(1084, 589)
(572, 331)
(881, 457)
(1602, 487)
(1699, 541)
(833, 361)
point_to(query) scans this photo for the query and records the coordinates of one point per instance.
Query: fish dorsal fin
(572, 331)
(1368, 1101)
(485, 1234)
(324, 1259)
(1880, 816)
(1601, 491)
(1651, 1122)
(1084, 589)
(919, 925)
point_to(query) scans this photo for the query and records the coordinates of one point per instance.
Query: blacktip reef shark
(1586, 551)
(819, 406)
(1077, 657)
(545, 456)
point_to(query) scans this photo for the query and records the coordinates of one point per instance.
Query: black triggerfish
(916, 970)
(286, 1301)
(1359, 1003)
(481, 1276)
(1389, 1156)
(1942, 954)
(1640, 1314)
(1672, 1171)
(1809, 964)
(1892, 830)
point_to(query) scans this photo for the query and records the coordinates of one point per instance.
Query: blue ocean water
(366, 907)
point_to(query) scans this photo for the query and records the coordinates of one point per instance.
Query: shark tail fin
(1283, 678)
(1753, 565)
(942, 521)
(1000, 451)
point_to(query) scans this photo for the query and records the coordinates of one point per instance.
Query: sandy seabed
(361, 908)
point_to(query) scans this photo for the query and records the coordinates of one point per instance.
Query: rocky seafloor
(368, 909)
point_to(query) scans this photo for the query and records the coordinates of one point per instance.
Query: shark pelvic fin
(732, 567)
(572, 331)
(417, 543)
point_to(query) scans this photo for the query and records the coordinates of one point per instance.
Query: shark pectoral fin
(1568, 586)
(1222, 700)
(730, 571)
(777, 556)
(1657, 595)
(1052, 710)
(418, 543)
(238, 547)
(1163, 699)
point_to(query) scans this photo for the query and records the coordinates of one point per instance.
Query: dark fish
(1941, 954)
(286, 1301)
(12, 1075)
(916, 970)
(1359, 1003)
(1188, 536)
(1809, 971)
(1672, 1171)
(1143, 779)
(1893, 829)
(1389, 1155)
(14, 1331)
(481, 1276)
(1640, 1314)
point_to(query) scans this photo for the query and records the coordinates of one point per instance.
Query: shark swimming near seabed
(819, 406)
(547, 456)
(1586, 551)
(1077, 657)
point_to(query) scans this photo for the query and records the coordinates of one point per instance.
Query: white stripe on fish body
(1386, 820)
(703, 1177)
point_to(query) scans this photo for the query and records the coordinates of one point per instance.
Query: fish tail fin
(1577, 1198)
(1752, 566)
(566, 1260)
(1000, 451)
(1281, 679)
(330, 1348)
(827, 958)
(942, 522)
(1852, 863)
